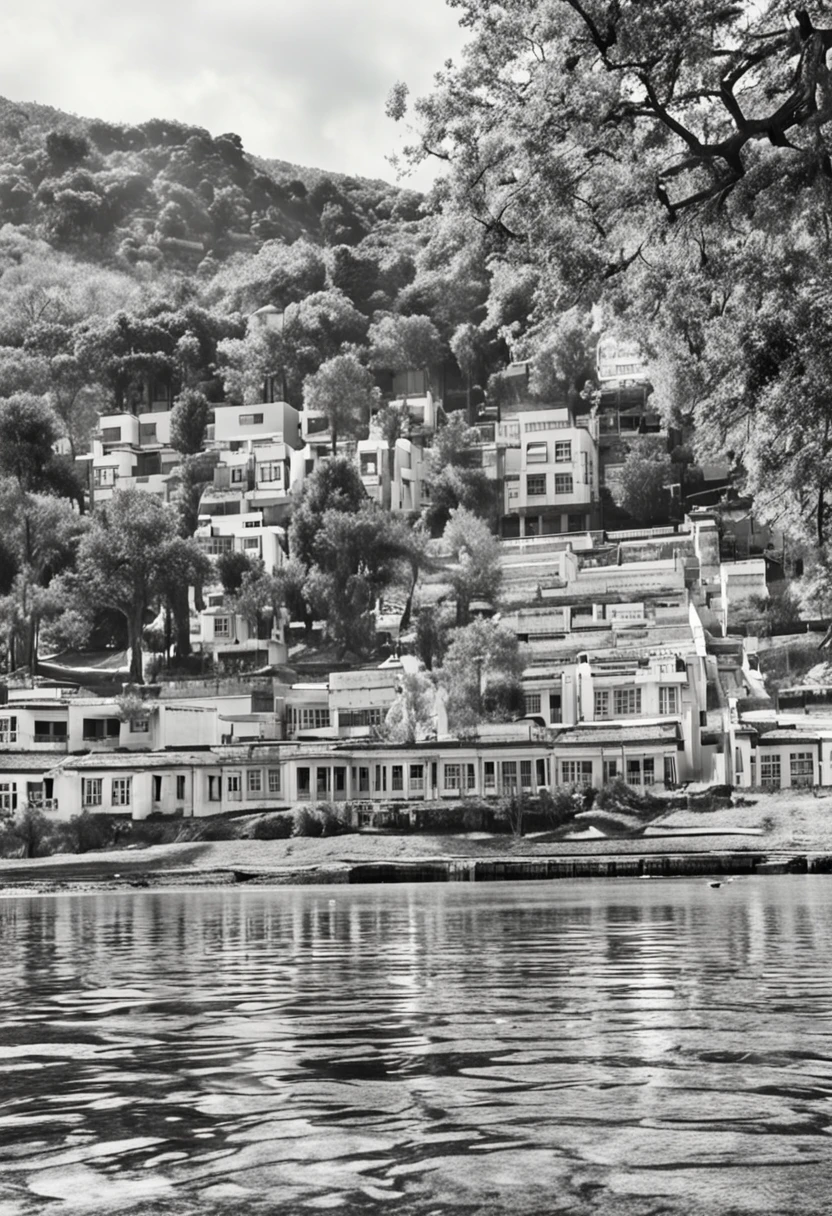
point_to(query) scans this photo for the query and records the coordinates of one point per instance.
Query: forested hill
(169, 195)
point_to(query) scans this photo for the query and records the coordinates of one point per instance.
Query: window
(397, 777)
(121, 791)
(157, 787)
(180, 787)
(381, 778)
(101, 728)
(526, 774)
(274, 780)
(147, 432)
(251, 542)
(234, 787)
(537, 453)
(576, 772)
(563, 483)
(322, 781)
(8, 730)
(369, 464)
(8, 796)
(92, 791)
(509, 774)
(489, 777)
(103, 477)
(270, 472)
(649, 770)
(770, 771)
(563, 452)
(802, 768)
(536, 485)
(222, 627)
(361, 717)
(576, 523)
(626, 701)
(139, 726)
(339, 774)
(417, 778)
(554, 707)
(453, 776)
(111, 434)
(669, 700)
(237, 476)
(634, 772)
(254, 782)
(214, 788)
(304, 783)
(50, 732)
(670, 770)
(610, 771)
(251, 419)
(310, 719)
(602, 704)
(512, 480)
(532, 700)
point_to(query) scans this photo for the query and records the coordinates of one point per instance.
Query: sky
(299, 80)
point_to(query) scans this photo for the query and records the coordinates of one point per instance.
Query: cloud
(304, 82)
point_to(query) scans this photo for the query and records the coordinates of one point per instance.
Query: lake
(653, 1046)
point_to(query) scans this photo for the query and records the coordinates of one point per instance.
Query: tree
(392, 421)
(28, 433)
(412, 716)
(129, 558)
(188, 421)
(451, 482)
(342, 390)
(482, 676)
(399, 343)
(466, 348)
(643, 489)
(335, 485)
(259, 599)
(476, 572)
(232, 567)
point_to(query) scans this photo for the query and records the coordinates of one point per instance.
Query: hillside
(167, 195)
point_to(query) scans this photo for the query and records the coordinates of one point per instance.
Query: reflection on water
(623, 1047)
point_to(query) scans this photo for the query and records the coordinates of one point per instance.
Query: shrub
(31, 831)
(219, 829)
(273, 827)
(307, 822)
(86, 831)
(618, 796)
(562, 804)
(511, 810)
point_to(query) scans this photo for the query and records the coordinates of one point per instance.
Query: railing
(646, 533)
(43, 804)
(41, 738)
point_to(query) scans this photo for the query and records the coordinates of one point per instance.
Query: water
(617, 1047)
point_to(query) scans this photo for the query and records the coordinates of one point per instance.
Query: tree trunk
(135, 624)
(821, 514)
(182, 617)
(334, 440)
(387, 480)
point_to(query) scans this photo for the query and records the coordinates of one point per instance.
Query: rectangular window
(563, 452)
(526, 774)
(322, 782)
(602, 704)
(274, 780)
(121, 791)
(416, 780)
(139, 726)
(576, 772)
(576, 523)
(453, 776)
(111, 434)
(634, 772)
(363, 779)
(489, 775)
(536, 485)
(304, 783)
(563, 483)
(669, 700)
(311, 719)
(339, 774)
(222, 627)
(802, 768)
(237, 476)
(509, 774)
(670, 770)
(101, 728)
(8, 730)
(8, 796)
(470, 777)
(251, 419)
(554, 707)
(397, 777)
(180, 787)
(532, 700)
(101, 478)
(214, 789)
(254, 782)
(649, 770)
(537, 453)
(770, 771)
(92, 791)
(361, 717)
(271, 472)
(610, 771)
(234, 787)
(157, 787)
(369, 464)
(626, 701)
(147, 432)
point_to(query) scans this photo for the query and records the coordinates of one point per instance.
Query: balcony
(42, 804)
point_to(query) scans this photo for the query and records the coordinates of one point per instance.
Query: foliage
(273, 827)
(512, 810)
(482, 676)
(323, 819)
(412, 716)
(232, 567)
(476, 572)
(342, 390)
(645, 477)
(188, 421)
(398, 343)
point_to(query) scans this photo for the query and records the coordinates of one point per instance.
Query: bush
(619, 796)
(86, 831)
(306, 822)
(273, 827)
(28, 835)
(562, 805)
(322, 819)
(219, 829)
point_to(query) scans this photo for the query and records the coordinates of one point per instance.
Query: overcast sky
(302, 80)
